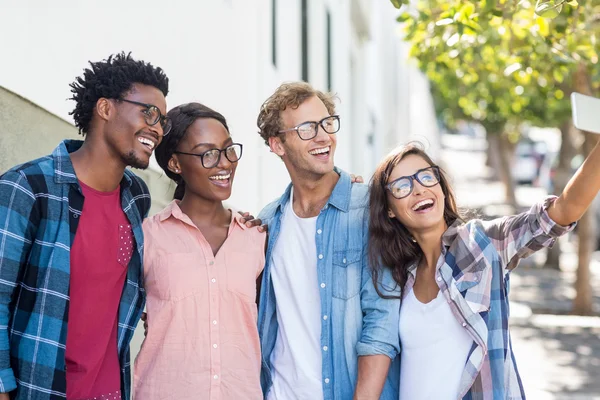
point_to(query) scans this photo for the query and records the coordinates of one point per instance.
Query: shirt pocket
(177, 275)
(126, 244)
(475, 285)
(346, 273)
(241, 268)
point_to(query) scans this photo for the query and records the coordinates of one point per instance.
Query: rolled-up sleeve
(518, 236)
(380, 330)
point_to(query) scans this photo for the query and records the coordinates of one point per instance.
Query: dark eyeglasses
(152, 116)
(212, 157)
(403, 186)
(308, 130)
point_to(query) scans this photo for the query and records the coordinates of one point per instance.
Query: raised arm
(579, 192)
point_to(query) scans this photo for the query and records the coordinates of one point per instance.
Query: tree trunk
(582, 304)
(502, 153)
(559, 181)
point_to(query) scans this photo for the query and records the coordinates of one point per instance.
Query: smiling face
(423, 209)
(127, 133)
(310, 158)
(209, 183)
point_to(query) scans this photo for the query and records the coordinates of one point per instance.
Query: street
(558, 355)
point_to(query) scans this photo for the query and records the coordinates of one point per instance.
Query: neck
(203, 211)
(430, 242)
(96, 166)
(310, 195)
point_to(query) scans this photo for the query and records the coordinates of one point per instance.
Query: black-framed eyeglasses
(308, 130)
(403, 186)
(152, 116)
(212, 157)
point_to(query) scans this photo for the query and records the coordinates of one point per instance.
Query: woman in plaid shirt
(455, 274)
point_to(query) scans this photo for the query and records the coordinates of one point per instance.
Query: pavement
(558, 354)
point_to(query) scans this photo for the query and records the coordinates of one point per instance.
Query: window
(274, 32)
(304, 38)
(328, 48)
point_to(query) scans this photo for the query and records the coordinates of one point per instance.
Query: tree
(500, 63)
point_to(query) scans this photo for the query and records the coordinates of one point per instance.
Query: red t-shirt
(101, 251)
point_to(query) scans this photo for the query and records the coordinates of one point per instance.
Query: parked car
(529, 156)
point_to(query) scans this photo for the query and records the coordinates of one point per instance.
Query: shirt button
(215, 346)
(323, 285)
(324, 348)
(320, 256)
(325, 317)
(319, 231)
(464, 324)
(439, 278)
(216, 377)
(326, 380)
(213, 280)
(211, 263)
(344, 261)
(215, 322)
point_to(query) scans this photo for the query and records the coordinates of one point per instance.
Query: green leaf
(549, 8)
(396, 3)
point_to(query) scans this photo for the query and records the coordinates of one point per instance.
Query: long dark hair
(182, 117)
(390, 244)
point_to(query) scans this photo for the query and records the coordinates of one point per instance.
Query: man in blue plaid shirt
(71, 242)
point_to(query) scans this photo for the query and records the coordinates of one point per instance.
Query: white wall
(219, 52)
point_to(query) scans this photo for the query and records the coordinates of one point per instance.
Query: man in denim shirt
(325, 333)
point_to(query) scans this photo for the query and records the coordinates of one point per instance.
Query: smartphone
(586, 112)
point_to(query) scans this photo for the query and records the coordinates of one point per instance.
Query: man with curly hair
(325, 332)
(71, 242)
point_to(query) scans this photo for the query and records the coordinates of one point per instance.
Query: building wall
(219, 52)
(29, 131)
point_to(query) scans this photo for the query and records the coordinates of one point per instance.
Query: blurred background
(483, 84)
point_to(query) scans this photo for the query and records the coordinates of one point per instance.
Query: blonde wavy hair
(289, 94)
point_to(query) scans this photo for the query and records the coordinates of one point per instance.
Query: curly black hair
(111, 79)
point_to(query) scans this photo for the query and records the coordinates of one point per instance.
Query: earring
(177, 171)
(390, 214)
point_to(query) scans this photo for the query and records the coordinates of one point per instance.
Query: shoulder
(36, 176)
(269, 211)
(359, 196)
(138, 186)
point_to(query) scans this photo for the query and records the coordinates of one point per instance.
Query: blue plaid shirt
(40, 205)
(473, 276)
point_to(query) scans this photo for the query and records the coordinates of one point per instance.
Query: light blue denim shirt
(355, 321)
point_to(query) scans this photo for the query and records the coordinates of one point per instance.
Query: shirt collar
(173, 210)
(448, 238)
(63, 166)
(339, 198)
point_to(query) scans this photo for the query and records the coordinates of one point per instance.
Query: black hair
(111, 79)
(182, 117)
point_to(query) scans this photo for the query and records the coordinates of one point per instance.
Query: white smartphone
(586, 112)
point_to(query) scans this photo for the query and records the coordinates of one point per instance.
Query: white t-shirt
(435, 347)
(296, 359)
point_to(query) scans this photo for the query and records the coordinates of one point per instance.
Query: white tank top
(435, 347)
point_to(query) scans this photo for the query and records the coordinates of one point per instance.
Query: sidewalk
(558, 354)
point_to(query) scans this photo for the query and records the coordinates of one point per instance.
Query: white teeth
(319, 151)
(146, 142)
(422, 203)
(219, 177)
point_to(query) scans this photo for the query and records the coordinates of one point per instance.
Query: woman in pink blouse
(200, 269)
